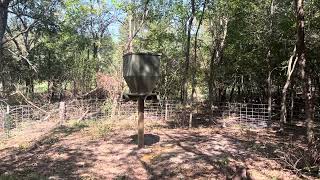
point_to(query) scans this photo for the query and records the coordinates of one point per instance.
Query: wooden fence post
(8, 109)
(240, 104)
(2, 119)
(62, 112)
(5, 113)
(166, 112)
(190, 119)
(229, 109)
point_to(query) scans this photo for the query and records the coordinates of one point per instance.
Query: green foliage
(72, 41)
(107, 106)
(93, 128)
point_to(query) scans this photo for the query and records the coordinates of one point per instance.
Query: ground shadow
(47, 158)
(216, 155)
(149, 139)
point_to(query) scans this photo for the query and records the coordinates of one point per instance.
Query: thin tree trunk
(309, 111)
(269, 96)
(187, 55)
(304, 70)
(3, 24)
(269, 81)
(75, 88)
(221, 40)
(292, 104)
(3, 19)
(130, 19)
(210, 82)
(290, 70)
(216, 55)
(195, 52)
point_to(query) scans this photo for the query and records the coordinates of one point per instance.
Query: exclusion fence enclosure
(252, 115)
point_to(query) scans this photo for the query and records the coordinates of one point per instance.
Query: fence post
(240, 104)
(229, 110)
(62, 112)
(3, 118)
(166, 111)
(5, 122)
(8, 109)
(190, 120)
(246, 118)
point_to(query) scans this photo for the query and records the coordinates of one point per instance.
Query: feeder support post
(141, 122)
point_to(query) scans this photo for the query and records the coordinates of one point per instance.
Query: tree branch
(28, 61)
(145, 14)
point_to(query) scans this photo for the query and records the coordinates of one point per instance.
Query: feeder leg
(141, 122)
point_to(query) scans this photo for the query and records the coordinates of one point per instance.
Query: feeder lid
(143, 53)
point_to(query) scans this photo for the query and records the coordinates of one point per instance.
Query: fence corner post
(62, 112)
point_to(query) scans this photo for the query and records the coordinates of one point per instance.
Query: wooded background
(264, 51)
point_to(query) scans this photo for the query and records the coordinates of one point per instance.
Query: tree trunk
(75, 88)
(283, 112)
(210, 82)
(292, 104)
(3, 19)
(290, 70)
(232, 90)
(3, 24)
(216, 55)
(95, 50)
(195, 53)
(29, 85)
(187, 55)
(269, 81)
(304, 70)
(269, 96)
(130, 30)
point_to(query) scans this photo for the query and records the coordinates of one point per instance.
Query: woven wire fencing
(86, 109)
(11, 117)
(20, 116)
(252, 115)
(152, 110)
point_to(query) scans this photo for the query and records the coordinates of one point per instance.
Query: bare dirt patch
(70, 152)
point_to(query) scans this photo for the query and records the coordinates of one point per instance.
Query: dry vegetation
(107, 150)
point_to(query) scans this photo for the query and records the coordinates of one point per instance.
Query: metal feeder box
(141, 71)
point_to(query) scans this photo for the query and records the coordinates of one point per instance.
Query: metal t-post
(141, 122)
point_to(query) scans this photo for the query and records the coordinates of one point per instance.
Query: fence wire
(253, 115)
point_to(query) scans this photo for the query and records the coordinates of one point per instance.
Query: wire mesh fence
(253, 115)
(164, 109)
(12, 117)
(87, 109)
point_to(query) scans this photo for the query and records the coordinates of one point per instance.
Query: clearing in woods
(109, 151)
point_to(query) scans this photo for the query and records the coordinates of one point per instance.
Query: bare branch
(29, 102)
(20, 33)
(28, 61)
(145, 14)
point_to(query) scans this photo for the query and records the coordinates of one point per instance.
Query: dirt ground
(68, 152)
